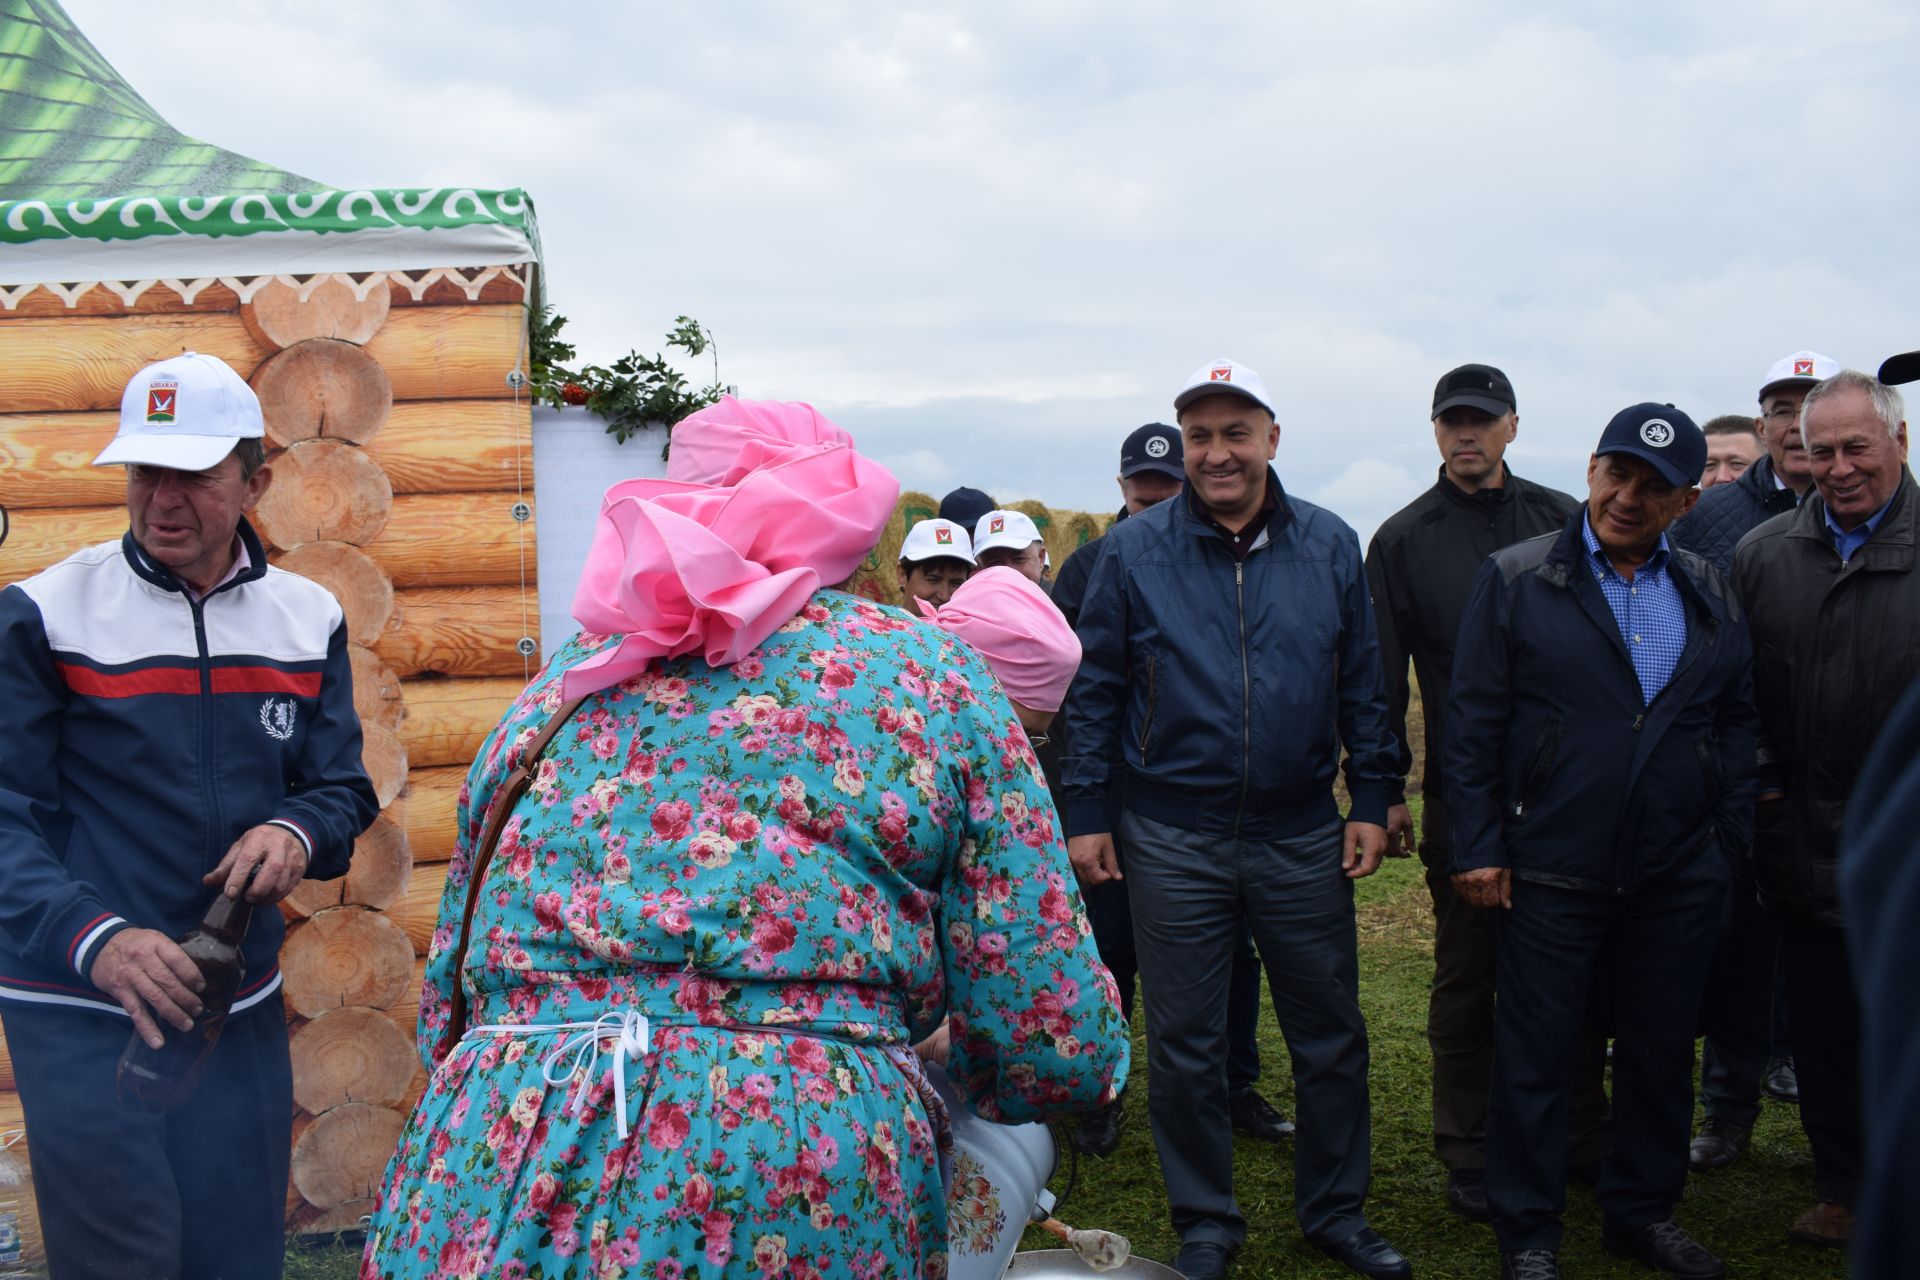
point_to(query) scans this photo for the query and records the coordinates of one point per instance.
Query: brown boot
(1827, 1224)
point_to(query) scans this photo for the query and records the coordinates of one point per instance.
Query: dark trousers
(1824, 1007)
(199, 1193)
(1111, 912)
(1737, 1015)
(1194, 896)
(1460, 1033)
(1659, 940)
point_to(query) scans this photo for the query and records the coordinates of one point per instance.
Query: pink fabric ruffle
(1001, 615)
(765, 503)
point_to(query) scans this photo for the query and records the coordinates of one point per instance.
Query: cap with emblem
(1013, 529)
(1662, 435)
(1221, 377)
(1154, 447)
(1803, 368)
(185, 414)
(936, 540)
(1474, 386)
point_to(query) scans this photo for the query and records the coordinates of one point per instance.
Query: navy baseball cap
(1663, 436)
(1154, 447)
(1904, 367)
(965, 507)
(1477, 386)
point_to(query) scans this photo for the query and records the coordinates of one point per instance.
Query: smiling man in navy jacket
(1229, 654)
(176, 721)
(1600, 768)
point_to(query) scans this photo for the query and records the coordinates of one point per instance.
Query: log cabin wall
(402, 456)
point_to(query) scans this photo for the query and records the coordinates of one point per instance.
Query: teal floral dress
(728, 904)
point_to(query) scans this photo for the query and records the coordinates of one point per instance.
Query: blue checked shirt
(1652, 617)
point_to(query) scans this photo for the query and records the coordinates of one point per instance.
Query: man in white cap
(1745, 1050)
(176, 722)
(936, 556)
(1229, 658)
(1011, 538)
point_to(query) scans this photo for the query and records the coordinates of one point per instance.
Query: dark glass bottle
(161, 1079)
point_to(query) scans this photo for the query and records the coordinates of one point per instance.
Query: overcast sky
(991, 239)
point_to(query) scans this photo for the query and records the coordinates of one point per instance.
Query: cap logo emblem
(162, 397)
(1220, 373)
(1657, 432)
(943, 537)
(1803, 368)
(1157, 447)
(999, 525)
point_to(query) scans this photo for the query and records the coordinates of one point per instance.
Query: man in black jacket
(1151, 471)
(1835, 606)
(1229, 655)
(1420, 566)
(1745, 1049)
(1600, 756)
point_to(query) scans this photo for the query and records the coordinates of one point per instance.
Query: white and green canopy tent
(95, 185)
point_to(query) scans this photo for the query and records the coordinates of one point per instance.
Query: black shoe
(1099, 1131)
(1366, 1253)
(1781, 1081)
(1203, 1260)
(1720, 1143)
(1586, 1173)
(1664, 1247)
(1530, 1264)
(1254, 1116)
(1467, 1194)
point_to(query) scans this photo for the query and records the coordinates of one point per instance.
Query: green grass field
(1741, 1213)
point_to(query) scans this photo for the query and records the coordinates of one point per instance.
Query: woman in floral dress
(789, 832)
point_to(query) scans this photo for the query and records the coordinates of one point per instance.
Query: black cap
(1154, 447)
(1662, 435)
(1901, 368)
(1477, 386)
(965, 507)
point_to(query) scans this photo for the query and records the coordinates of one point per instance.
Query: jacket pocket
(1533, 781)
(1146, 720)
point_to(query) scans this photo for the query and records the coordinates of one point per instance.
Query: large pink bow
(714, 567)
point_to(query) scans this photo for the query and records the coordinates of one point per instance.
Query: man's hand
(1094, 860)
(278, 853)
(1399, 831)
(148, 973)
(1487, 887)
(1361, 849)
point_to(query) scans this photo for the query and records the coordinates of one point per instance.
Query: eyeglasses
(1781, 414)
(1038, 739)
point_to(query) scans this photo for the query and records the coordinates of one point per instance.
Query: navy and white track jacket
(141, 734)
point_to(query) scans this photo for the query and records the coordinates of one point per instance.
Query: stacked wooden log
(403, 482)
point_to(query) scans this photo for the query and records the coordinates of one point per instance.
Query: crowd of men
(1645, 714)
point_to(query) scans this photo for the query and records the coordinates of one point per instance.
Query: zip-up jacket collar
(159, 575)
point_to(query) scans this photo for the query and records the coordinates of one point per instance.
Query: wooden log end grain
(382, 866)
(364, 591)
(278, 316)
(322, 387)
(377, 697)
(343, 1153)
(345, 956)
(310, 896)
(384, 757)
(324, 491)
(351, 1055)
(349, 1219)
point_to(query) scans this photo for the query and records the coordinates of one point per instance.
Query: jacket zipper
(209, 800)
(1246, 696)
(1146, 727)
(1535, 780)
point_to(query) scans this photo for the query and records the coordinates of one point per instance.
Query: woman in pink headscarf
(785, 834)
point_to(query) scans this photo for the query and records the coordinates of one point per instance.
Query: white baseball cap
(1221, 376)
(184, 414)
(936, 540)
(1014, 530)
(1802, 367)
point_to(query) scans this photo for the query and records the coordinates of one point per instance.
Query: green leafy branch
(632, 393)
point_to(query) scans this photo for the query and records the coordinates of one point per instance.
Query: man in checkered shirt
(1599, 751)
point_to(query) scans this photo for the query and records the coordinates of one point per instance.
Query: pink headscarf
(1011, 623)
(764, 502)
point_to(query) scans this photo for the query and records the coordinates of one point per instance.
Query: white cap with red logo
(1014, 530)
(936, 540)
(1802, 367)
(1224, 376)
(184, 414)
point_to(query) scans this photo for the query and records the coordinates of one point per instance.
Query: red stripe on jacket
(186, 681)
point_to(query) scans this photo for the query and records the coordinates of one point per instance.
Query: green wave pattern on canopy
(94, 184)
